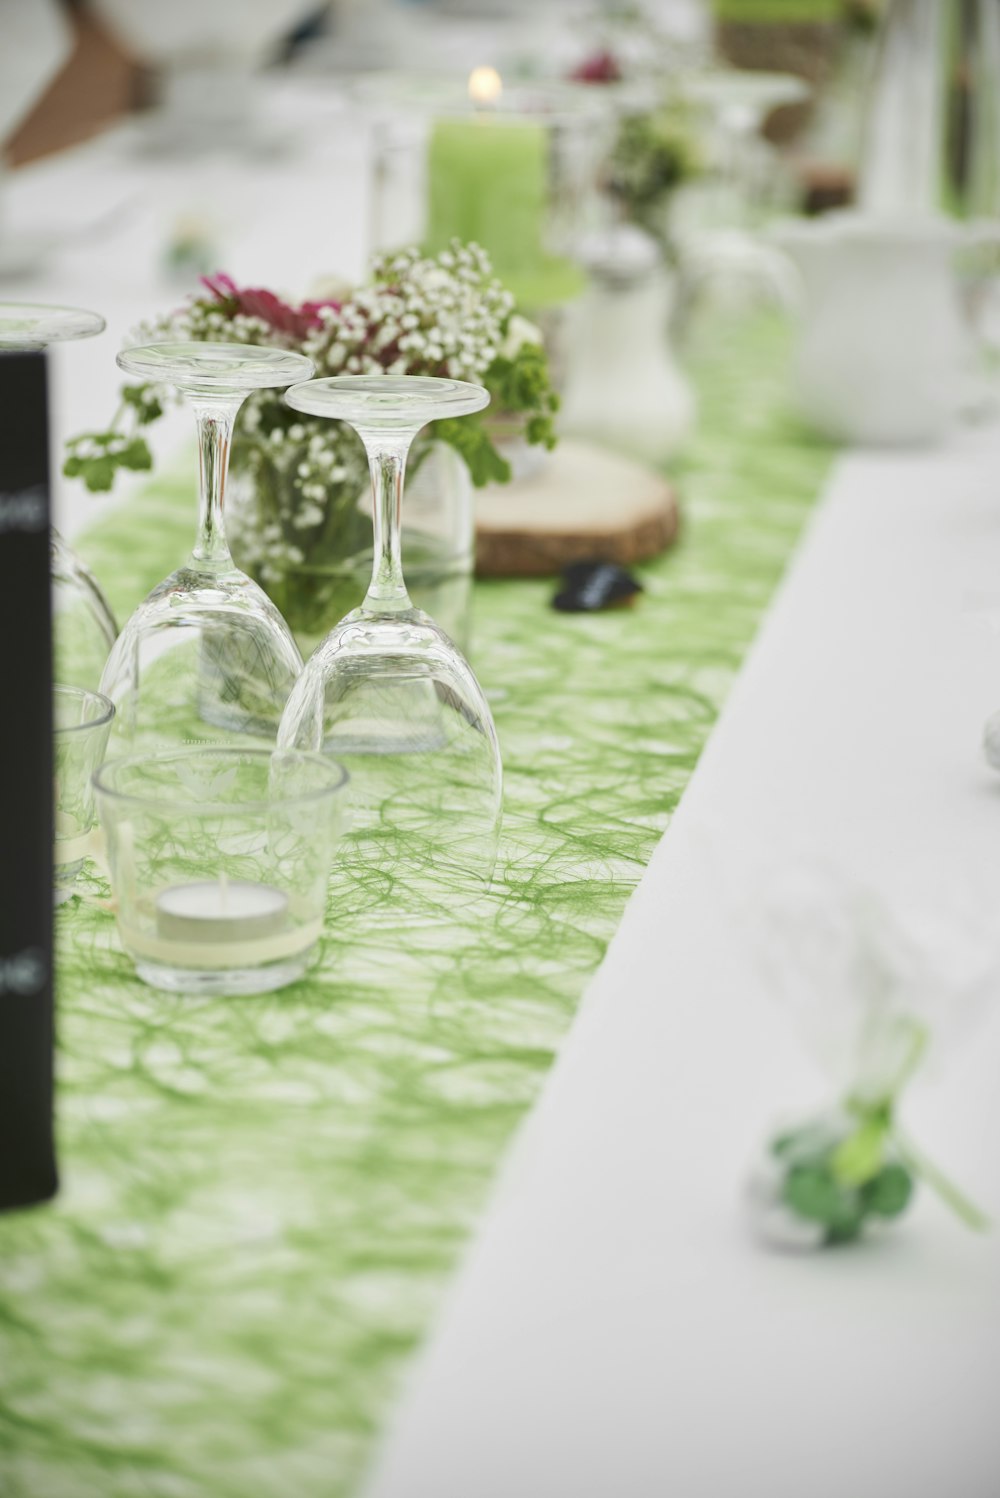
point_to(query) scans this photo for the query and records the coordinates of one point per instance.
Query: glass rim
(387, 400)
(251, 366)
(55, 322)
(64, 689)
(197, 751)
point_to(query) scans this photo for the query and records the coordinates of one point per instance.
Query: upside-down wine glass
(206, 656)
(387, 691)
(83, 625)
(727, 259)
(34, 325)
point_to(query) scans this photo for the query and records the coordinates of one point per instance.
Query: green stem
(925, 1170)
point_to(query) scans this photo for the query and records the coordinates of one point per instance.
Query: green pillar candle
(768, 11)
(488, 182)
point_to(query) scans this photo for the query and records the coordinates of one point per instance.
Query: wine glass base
(227, 983)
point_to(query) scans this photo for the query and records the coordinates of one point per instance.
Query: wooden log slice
(583, 503)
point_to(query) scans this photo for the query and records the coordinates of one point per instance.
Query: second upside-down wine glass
(207, 655)
(83, 626)
(387, 691)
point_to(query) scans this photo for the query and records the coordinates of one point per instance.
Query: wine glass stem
(215, 418)
(387, 463)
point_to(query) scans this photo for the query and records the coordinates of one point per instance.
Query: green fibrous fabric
(262, 1198)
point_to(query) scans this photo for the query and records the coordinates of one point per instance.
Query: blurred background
(288, 141)
(643, 176)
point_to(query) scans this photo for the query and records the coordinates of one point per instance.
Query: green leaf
(98, 469)
(145, 402)
(846, 1229)
(812, 1192)
(97, 473)
(522, 383)
(135, 455)
(888, 1194)
(860, 1156)
(469, 438)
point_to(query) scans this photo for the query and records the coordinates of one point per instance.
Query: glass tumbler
(82, 722)
(219, 862)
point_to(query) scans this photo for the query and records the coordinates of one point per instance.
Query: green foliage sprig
(653, 154)
(96, 457)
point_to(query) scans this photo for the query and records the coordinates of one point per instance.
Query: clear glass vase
(316, 573)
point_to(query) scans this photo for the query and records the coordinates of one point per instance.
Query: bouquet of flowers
(302, 481)
(874, 995)
(653, 155)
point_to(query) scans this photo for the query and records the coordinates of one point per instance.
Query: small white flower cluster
(205, 322)
(441, 316)
(287, 480)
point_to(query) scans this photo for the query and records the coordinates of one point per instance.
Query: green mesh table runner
(263, 1197)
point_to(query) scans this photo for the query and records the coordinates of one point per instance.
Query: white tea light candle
(227, 910)
(219, 860)
(223, 924)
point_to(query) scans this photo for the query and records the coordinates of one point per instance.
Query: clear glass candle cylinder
(219, 861)
(82, 722)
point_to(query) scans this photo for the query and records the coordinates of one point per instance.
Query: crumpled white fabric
(866, 980)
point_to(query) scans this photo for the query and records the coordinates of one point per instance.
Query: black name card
(27, 1155)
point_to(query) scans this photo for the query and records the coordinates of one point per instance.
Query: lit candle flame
(485, 87)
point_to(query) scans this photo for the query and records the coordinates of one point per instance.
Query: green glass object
(488, 182)
(816, 11)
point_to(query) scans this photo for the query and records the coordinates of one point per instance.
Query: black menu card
(27, 1155)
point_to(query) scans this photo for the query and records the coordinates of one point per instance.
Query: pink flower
(221, 286)
(257, 301)
(600, 67)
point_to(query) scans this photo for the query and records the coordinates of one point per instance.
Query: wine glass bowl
(83, 627)
(207, 652)
(387, 691)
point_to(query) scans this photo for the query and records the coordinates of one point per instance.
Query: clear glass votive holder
(82, 722)
(219, 862)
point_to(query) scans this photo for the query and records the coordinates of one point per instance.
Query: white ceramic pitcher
(882, 346)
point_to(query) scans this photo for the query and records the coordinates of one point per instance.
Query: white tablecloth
(615, 1332)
